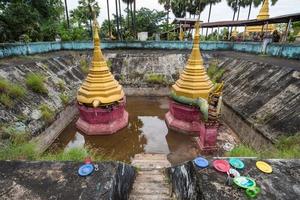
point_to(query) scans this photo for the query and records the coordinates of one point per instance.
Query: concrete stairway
(151, 182)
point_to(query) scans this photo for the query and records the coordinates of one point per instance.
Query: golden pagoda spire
(263, 14)
(194, 82)
(100, 87)
(264, 11)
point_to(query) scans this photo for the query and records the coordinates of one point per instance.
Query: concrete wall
(291, 51)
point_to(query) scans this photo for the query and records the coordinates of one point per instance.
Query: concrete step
(150, 157)
(149, 197)
(150, 182)
(145, 164)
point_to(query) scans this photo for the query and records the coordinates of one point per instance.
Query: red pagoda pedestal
(102, 121)
(207, 140)
(183, 118)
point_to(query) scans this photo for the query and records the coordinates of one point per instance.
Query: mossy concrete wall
(291, 51)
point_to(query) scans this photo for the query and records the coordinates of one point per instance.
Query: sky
(220, 11)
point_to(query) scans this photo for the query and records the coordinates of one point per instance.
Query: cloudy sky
(219, 12)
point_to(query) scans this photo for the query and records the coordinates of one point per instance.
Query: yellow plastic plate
(264, 167)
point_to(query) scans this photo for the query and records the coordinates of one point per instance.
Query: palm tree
(211, 2)
(67, 13)
(117, 18)
(108, 18)
(167, 6)
(178, 8)
(130, 13)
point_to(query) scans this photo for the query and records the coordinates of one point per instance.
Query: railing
(291, 51)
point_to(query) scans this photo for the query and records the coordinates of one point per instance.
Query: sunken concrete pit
(261, 104)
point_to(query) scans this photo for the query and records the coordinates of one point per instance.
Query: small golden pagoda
(194, 82)
(99, 88)
(234, 33)
(263, 14)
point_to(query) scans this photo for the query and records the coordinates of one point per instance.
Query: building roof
(251, 22)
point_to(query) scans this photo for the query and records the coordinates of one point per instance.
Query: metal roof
(252, 22)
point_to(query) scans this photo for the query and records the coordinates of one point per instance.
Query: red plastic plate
(221, 165)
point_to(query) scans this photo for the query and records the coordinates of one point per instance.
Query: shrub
(214, 72)
(64, 99)
(36, 83)
(243, 151)
(84, 66)
(6, 100)
(3, 85)
(47, 113)
(25, 151)
(16, 91)
(61, 85)
(156, 79)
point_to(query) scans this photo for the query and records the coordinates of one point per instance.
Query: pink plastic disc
(221, 165)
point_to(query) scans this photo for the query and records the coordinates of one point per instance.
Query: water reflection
(146, 132)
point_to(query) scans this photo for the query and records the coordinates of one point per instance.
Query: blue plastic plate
(236, 163)
(86, 170)
(201, 162)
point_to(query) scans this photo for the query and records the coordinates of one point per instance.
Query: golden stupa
(263, 14)
(194, 82)
(100, 87)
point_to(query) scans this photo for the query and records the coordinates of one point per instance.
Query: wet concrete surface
(145, 133)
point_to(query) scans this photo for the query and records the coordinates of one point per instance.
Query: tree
(179, 8)
(146, 20)
(83, 13)
(211, 2)
(167, 7)
(38, 20)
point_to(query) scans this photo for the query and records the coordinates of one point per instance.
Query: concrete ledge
(59, 180)
(291, 51)
(192, 183)
(246, 132)
(64, 118)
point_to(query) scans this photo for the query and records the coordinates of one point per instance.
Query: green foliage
(24, 151)
(4, 85)
(73, 154)
(214, 72)
(36, 83)
(33, 20)
(6, 100)
(109, 64)
(84, 66)
(47, 113)
(61, 85)
(16, 91)
(285, 148)
(156, 79)
(64, 98)
(243, 151)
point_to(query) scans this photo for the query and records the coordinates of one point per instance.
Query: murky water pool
(145, 133)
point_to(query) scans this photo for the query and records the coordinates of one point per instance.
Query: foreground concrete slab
(59, 180)
(192, 183)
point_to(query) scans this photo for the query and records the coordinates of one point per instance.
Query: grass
(36, 83)
(16, 91)
(6, 100)
(3, 85)
(109, 64)
(214, 72)
(285, 148)
(47, 113)
(84, 66)
(10, 92)
(64, 99)
(156, 79)
(61, 85)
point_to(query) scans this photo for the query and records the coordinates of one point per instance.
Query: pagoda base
(207, 140)
(183, 118)
(102, 121)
